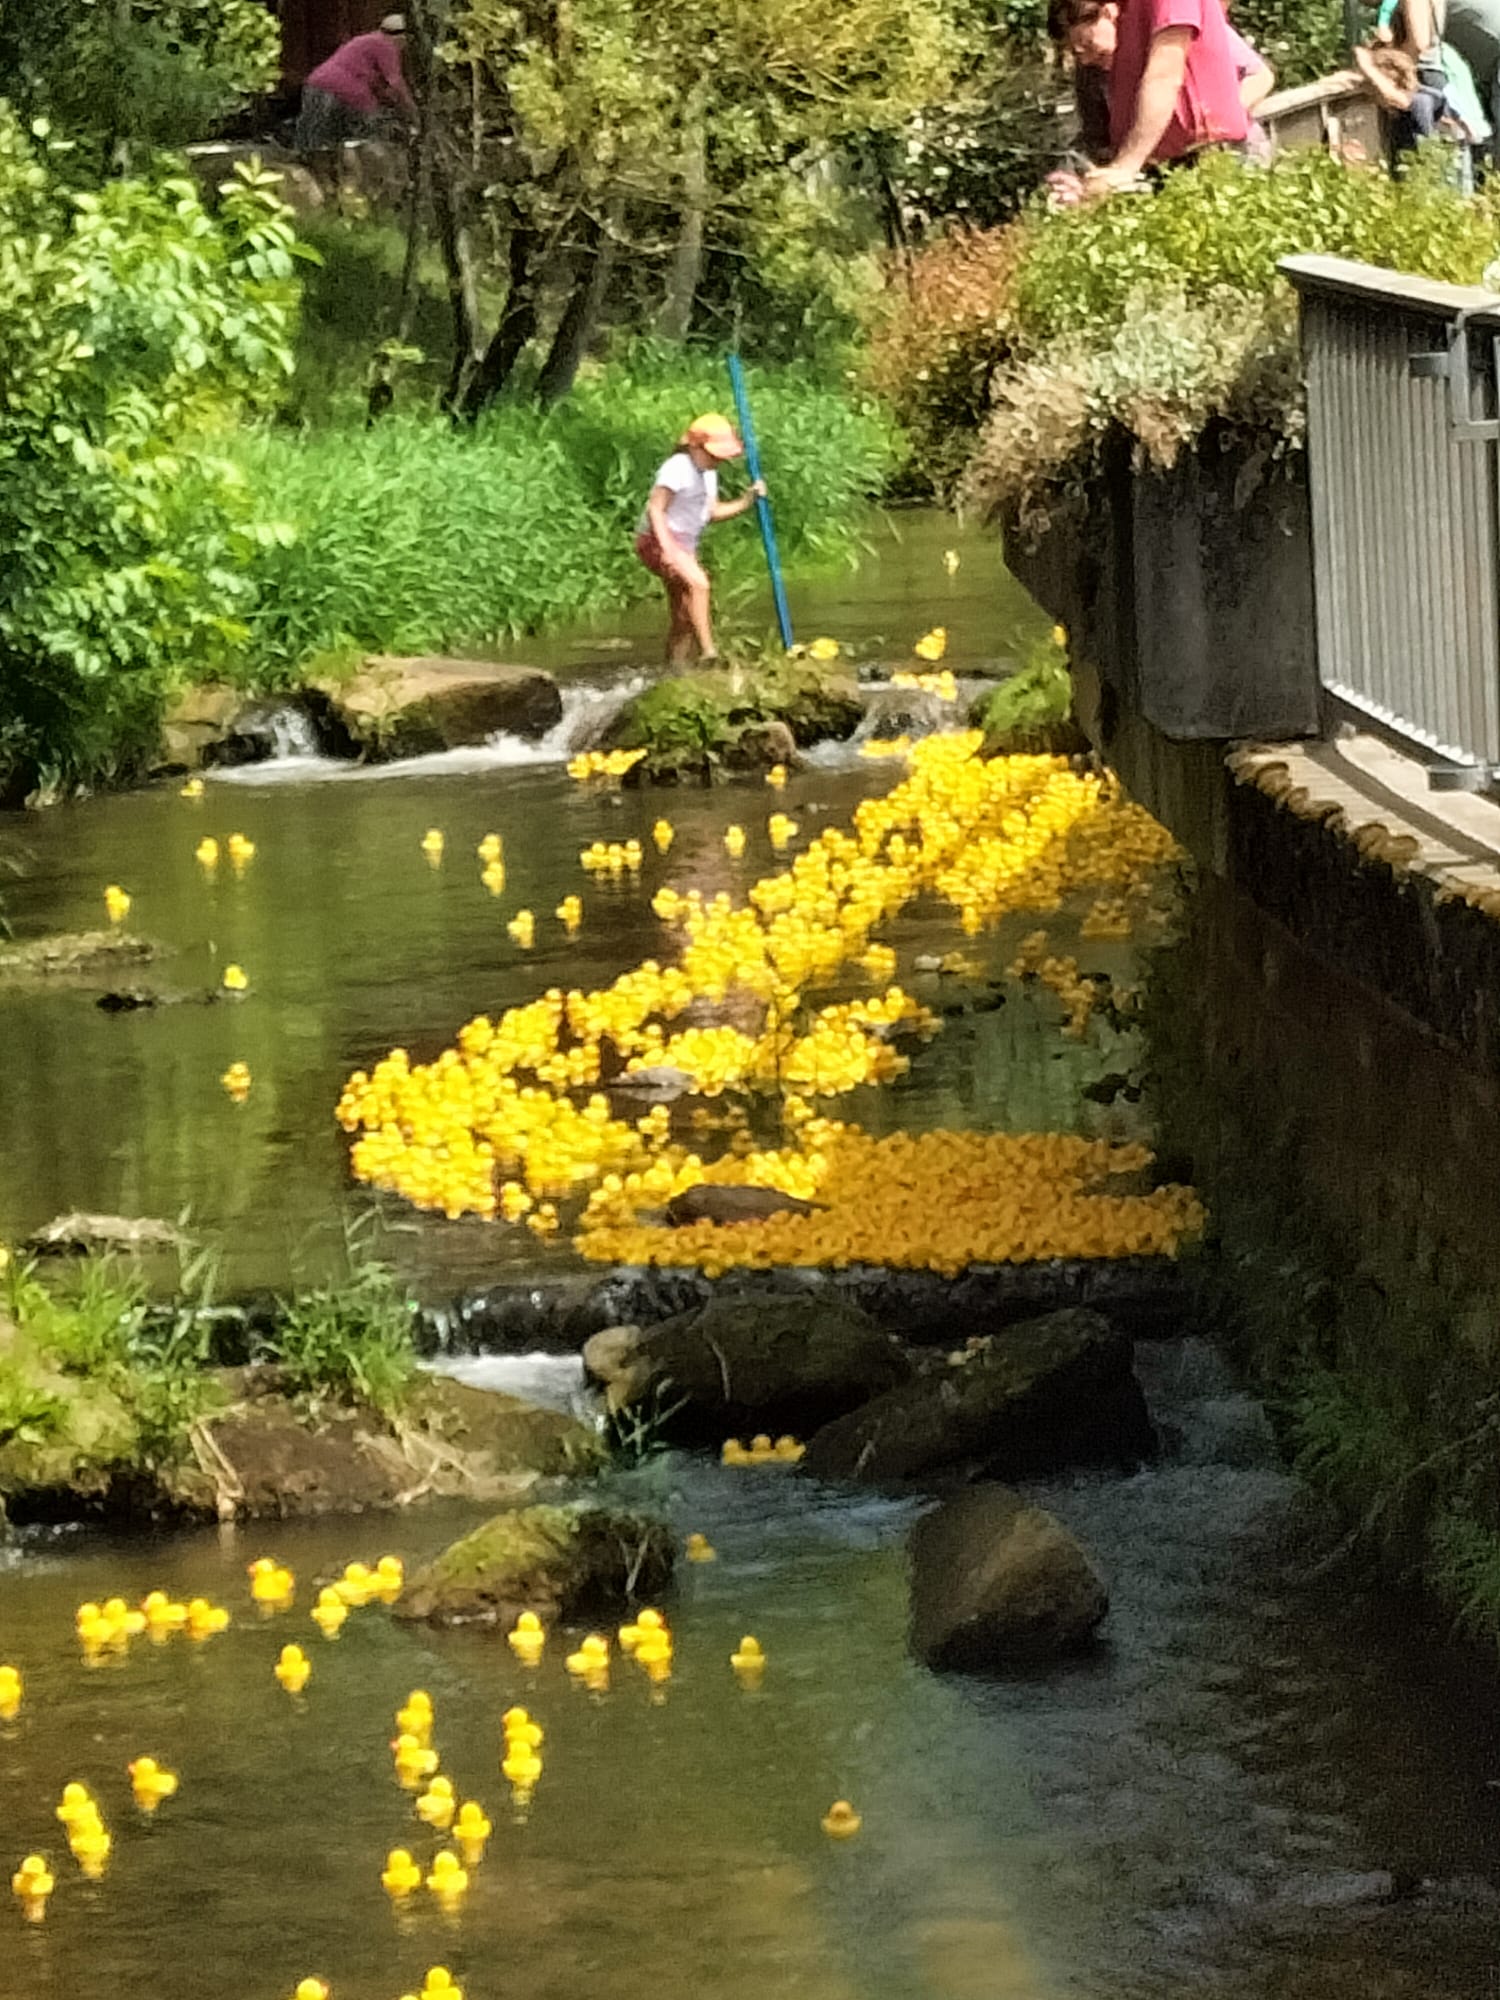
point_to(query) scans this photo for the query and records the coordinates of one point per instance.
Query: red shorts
(651, 553)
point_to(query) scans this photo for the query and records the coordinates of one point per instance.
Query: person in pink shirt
(359, 93)
(1174, 88)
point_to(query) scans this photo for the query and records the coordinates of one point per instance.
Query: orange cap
(715, 434)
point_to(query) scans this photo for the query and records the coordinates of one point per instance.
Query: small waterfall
(589, 707)
(899, 711)
(291, 731)
(551, 1381)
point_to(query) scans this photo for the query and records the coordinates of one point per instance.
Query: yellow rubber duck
(492, 875)
(414, 1719)
(91, 1847)
(776, 777)
(206, 853)
(293, 1669)
(241, 850)
(236, 979)
(439, 1985)
(76, 1807)
(749, 1662)
(521, 1765)
(789, 1450)
(663, 833)
(11, 1691)
(205, 1619)
(951, 561)
(700, 1550)
(590, 1657)
(841, 1821)
(761, 1447)
(237, 1081)
(733, 1453)
(437, 1804)
(471, 1830)
(414, 1761)
(734, 842)
(449, 1877)
(356, 1586)
(522, 928)
(390, 1577)
(161, 1614)
(150, 1783)
(527, 1638)
(491, 848)
(432, 843)
(312, 1989)
(329, 1613)
(269, 1582)
(193, 789)
(32, 1883)
(932, 645)
(520, 1729)
(401, 1875)
(570, 913)
(116, 903)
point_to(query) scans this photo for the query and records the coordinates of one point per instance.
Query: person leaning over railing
(1421, 79)
(1090, 30)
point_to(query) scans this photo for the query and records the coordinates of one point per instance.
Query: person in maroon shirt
(1174, 88)
(359, 93)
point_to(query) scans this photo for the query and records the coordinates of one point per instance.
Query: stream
(1260, 1786)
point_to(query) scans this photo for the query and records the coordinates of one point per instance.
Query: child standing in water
(684, 499)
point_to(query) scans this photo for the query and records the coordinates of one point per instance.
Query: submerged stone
(560, 1562)
(998, 1582)
(1049, 1392)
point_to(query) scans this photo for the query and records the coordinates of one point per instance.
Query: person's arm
(1257, 78)
(1420, 25)
(1156, 100)
(392, 81)
(725, 510)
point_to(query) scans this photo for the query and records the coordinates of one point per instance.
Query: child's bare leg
(680, 631)
(695, 580)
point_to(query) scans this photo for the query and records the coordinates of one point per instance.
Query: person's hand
(758, 488)
(1064, 188)
(1100, 181)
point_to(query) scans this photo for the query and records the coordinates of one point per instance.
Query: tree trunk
(575, 329)
(517, 323)
(675, 319)
(463, 287)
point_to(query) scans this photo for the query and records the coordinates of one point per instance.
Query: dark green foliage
(1032, 711)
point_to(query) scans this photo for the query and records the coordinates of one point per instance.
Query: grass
(1032, 711)
(351, 1342)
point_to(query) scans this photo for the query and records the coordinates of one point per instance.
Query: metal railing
(1404, 477)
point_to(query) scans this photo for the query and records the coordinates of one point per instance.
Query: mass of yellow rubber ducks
(612, 857)
(942, 684)
(762, 1451)
(494, 1126)
(603, 764)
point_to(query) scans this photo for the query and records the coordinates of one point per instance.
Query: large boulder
(196, 723)
(561, 1562)
(1049, 1392)
(748, 1362)
(998, 1582)
(395, 707)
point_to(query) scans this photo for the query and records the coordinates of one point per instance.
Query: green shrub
(350, 1342)
(1032, 711)
(135, 328)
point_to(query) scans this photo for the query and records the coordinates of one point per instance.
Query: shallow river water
(1260, 1787)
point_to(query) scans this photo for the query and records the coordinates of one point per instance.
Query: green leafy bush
(136, 328)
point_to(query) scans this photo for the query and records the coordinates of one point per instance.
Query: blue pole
(762, 506)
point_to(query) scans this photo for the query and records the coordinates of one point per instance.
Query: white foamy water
(588, 709)
(552, 1381)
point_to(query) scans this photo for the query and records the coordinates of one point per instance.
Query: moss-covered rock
(73, 955)
(695, 727)
(561, 1562)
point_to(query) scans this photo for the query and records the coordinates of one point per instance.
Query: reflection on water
(1198, 1812)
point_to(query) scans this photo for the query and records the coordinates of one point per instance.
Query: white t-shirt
(694, 497)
